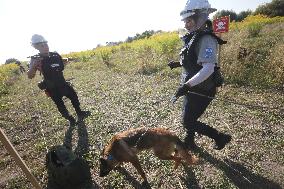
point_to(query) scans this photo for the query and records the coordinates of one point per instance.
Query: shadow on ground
(132, 180)
(238, 174)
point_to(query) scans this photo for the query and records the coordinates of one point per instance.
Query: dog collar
(109, 157)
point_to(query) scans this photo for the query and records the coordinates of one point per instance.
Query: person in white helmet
(51, 66)
(198, 58)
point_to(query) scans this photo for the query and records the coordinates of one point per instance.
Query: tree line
(272, 9)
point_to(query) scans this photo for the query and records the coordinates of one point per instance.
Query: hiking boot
(83, 114)
(221, 141)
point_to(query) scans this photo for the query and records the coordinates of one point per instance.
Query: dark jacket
(52, 69)
(189, 59)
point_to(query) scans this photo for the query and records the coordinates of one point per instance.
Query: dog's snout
(104, 173)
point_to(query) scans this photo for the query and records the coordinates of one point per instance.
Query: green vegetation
(252, 54)
(272, 9)
(8, 75)
(231, 13)
(129, 85)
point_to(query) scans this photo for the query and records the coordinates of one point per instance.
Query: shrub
(272, 9)
(254, 29)
(255, 19)
(105, 53)
(259, 65)
(222, 13)
(8, 72)
(242, 15)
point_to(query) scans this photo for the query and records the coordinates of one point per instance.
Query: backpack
(66, 170)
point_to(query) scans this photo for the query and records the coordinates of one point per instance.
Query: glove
(172, 64)
(181, 91)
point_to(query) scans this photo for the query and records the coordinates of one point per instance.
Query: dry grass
(119, 101)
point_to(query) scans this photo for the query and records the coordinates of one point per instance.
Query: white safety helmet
(193, 7)
(36, 38)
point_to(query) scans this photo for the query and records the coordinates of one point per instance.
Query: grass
(119, 101)
(129, 85)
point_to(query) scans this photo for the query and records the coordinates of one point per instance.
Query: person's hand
(36, 62)
(172, 64)
(181, 91)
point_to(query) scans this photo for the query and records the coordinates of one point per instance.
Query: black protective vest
(52, 70)
(189, 58)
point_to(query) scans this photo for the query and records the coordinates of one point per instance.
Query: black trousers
(68, 91)
(194, 106)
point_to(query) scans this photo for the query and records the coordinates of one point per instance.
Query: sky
(78, 25)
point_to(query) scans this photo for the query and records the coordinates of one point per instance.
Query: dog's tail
(185, 154)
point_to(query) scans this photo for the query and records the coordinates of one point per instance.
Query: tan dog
(124, 146)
